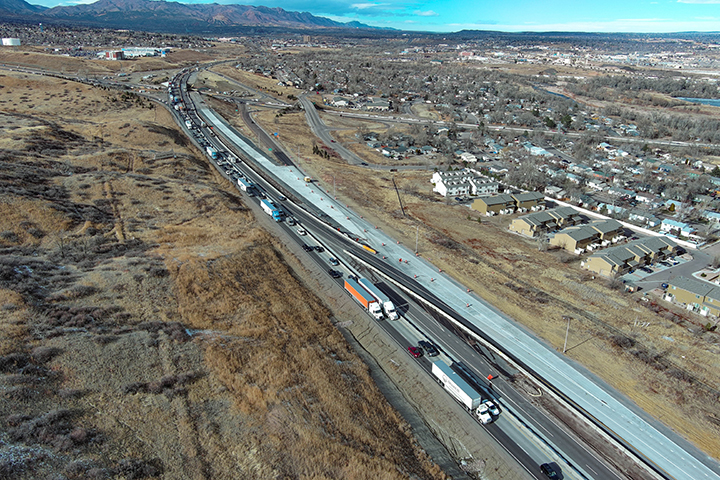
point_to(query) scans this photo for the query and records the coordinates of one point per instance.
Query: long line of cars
(483, 409)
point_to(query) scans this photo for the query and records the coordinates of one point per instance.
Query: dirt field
(661, 367)
(142, 333)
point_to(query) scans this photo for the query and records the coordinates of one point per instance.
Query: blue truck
(271, 209)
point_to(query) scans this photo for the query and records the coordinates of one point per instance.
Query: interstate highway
(611, 408)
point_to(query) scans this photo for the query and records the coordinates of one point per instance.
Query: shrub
(622, 341)
(44, 354)
(13, 362)
(134, 469)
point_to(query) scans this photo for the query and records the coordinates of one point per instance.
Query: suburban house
(599, 233)
(534, 224)
(493, 205)
(669, 225)
(621, 259)
(537, 151)
(462, 182)
(698, 296)
(555, 192)
(468, 157)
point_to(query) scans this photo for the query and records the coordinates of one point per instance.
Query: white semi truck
(246, 186)
(461, 391)
(363, 298)
(387, 306)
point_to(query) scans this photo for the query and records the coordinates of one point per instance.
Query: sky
(504, 15)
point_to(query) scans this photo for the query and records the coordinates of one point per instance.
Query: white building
(463, 182)
(11, 42)
(468, 157)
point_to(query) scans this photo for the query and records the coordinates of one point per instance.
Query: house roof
(606, 226)
(578, 233)
(528, 196)
(675, 223)
(691, 285)
(496, 199)
(638, 248)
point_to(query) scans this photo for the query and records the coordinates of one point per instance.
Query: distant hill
(19, 7)
(159, 15)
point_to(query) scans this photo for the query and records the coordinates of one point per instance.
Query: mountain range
(172, 17)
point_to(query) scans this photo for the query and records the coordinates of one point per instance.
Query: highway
(416, 323)
(650, 441)
(321, 130)
(524, 431)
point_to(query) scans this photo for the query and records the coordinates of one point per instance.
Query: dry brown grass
(101, 273)
(259, 82)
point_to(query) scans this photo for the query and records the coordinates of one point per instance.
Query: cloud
(701, 2)
(363, 6)
(428, 13)
(632, 25)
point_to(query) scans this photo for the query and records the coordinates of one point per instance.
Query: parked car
(429, 348)
(415, 351)
(548, 470)
(492, 408)
(334, 273)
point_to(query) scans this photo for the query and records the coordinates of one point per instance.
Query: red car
(415, 351)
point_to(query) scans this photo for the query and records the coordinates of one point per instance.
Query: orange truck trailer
(364, 298)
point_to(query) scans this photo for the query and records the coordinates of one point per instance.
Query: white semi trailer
(461, 391)
(387, 306)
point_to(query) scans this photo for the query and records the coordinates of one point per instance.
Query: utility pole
(398, 195)
(417, 234)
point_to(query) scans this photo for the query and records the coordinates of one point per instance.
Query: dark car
(319, 249)
(415, 351)
(307, 248)
(334, 273)
(429, 348)
(364, 164)
(548, 470)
